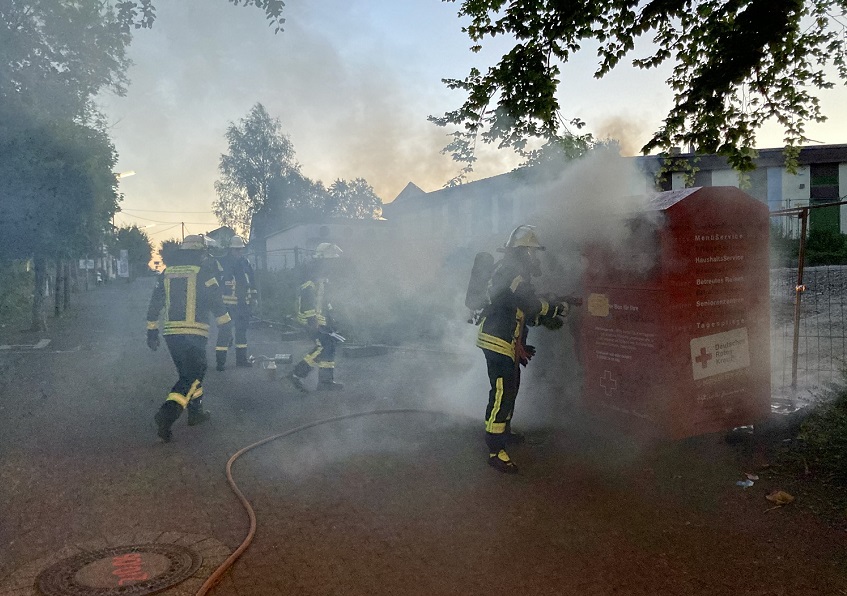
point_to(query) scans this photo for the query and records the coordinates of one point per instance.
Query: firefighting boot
(165, 417)
(501, 462)
(196, 413)
(497, 456)
(299, 374)
(241, 358)
(325, 382)
(220, 360)
(298, 382)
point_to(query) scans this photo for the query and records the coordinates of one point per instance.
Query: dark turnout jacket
(514, 304)
(187, 293)
(238, 286)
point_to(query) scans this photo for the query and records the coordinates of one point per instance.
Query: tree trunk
(57, 290)
(39, 323)
(67, 292)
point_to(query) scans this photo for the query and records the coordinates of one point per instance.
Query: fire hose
(218, 573)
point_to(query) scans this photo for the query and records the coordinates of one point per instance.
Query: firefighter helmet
(237, 242)
(523, 236)
(327, 250)
(193, 242)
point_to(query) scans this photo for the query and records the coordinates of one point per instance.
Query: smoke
(627, 131)
(409, 290)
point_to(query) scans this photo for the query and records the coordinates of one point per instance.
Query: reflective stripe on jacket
(514, 305)
(237, 281)
(312, 304)
(187, 294)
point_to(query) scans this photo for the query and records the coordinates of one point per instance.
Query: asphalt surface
(388, 503)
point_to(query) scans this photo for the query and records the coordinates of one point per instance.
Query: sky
(352, 83)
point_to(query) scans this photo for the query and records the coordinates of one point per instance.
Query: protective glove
(153, 339)
(552, 323)
(529, 351)
(571, 300)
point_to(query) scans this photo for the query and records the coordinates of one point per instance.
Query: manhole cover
(121, 570)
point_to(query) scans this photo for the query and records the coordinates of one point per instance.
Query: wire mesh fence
(808, 310)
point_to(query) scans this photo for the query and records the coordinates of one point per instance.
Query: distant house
(480, 212)
(293, 245)
(821, 178)
(222, 235)
(450, 217)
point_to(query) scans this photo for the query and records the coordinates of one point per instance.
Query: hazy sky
(352, 82)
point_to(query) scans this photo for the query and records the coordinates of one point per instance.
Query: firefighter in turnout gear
(239, 295)
(513, 307)
(187, 291)
(314, 311)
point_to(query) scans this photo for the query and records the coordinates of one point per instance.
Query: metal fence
(808, 310)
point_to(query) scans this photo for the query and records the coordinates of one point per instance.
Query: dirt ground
(389, 503)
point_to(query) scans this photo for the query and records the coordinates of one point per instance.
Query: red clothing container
(675, 332)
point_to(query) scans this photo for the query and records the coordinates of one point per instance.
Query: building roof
(767, 158)
(411, 201)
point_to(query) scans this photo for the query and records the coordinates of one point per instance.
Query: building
(490, 207)
(290, 246)
(821, 177)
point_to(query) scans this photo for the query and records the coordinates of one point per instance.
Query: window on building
(824, 189)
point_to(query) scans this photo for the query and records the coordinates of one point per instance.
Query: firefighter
(188, 291)
(513, 307)
(314, 312)
(240, 297)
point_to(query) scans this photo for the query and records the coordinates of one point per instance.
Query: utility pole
(183, 230)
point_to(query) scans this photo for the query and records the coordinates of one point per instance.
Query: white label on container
(720, 353)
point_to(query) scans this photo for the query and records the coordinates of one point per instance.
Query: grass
(814, 460)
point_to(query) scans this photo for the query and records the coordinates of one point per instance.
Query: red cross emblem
(704, 357)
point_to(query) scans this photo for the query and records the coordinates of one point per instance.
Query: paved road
(383, 504)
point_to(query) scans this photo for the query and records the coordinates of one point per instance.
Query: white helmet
(327, 250)
(523, 236)
(237, 242)
(193, 242)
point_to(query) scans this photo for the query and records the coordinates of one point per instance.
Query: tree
(56, 56)
(142, 13)
(737, 64)
(57, 194)
(138, 247)
(353, 200)
(258, 154)
(57, 190)
(167, 249)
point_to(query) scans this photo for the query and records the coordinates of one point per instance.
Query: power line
(161, 211)
(200, 223)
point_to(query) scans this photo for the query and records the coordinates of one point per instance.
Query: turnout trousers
(240, 315)
(504, 374)
(189, 355)
(322, 358)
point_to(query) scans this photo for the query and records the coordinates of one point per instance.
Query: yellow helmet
(237, 242)
(523, 236)
(193, 242)
(327, 250)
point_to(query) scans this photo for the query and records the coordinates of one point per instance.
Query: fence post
(798, 292)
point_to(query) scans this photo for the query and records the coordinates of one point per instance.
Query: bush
(825, 247)
(16, 285)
